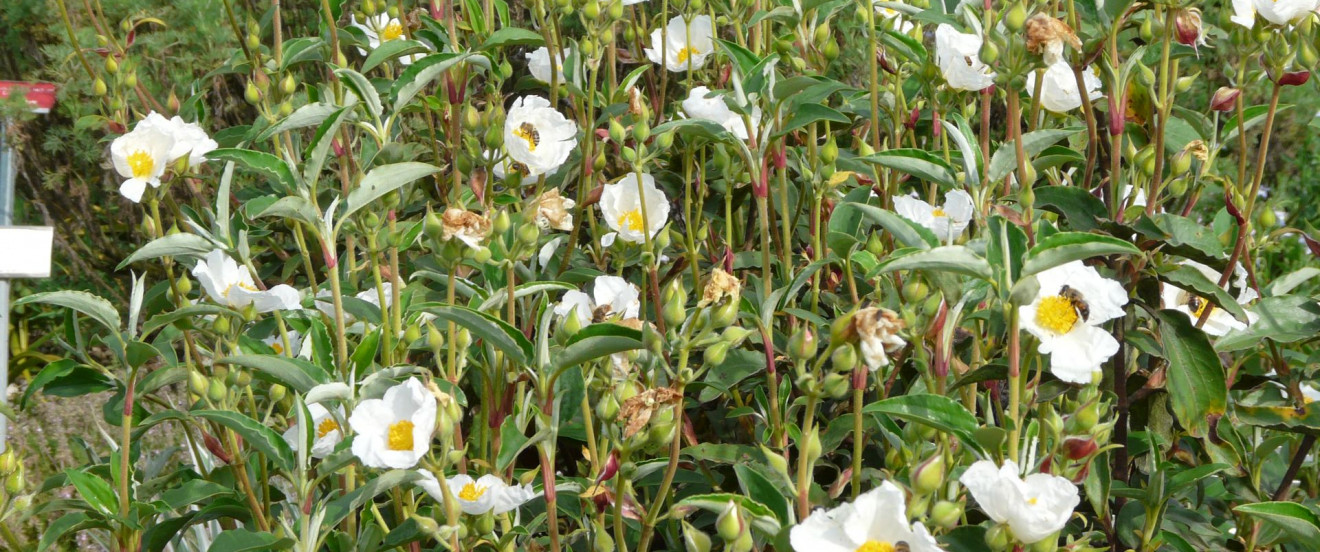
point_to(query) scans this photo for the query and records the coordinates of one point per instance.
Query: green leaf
(96, 308)
(1288, 282)
(383, 180)
(1079, 208)
(420, 74)
(255, 434)
(1065, 247)
(1004, 161)
(908, 233)
(918, 163)
(744, 60)
(174, 245)
(698, 128)
(1196, 383)
(1178, 231)
(294, 373)
(738, 365)
(362, 88)
(391, 49)
(1190, 279)
(1254, 115)
(294, 207)
(96, 491)
(71, 522)
(756, 486)
(494, 331)
(306, 116)
(351, 503)
(530, 288)
(245, 540)
(261, 162)
(1295, 519)
(326, 132)
(1283, 319)
(1304, 419)
(596, 341)
(812, 113)
(937, 411)
(761, 516)
(512, 36)
(192, 492)
(950, 258)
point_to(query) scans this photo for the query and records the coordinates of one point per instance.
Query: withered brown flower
(469, 227)
(1046, 36)
(637, 411)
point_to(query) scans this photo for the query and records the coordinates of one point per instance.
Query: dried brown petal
(552, 211)
(467, 226)
(720, 285)
(637, 411)
(1047, 35)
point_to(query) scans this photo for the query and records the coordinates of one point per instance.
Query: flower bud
(277, 392)
(1181, 163)
(1047, 544)
(1079, 448)
(836, 386)
(1187, 27)
(730, 525)
(946, 514)
(802, 345)
(929, 476)
(528, 233)
(715, 354)
(989, 53)
(288, 85)
(1294, 78)
(197, 383)
(694, 540)
(844, 358)
(111, 66)
(99, 87)
(830, 152)
(997, 537)
(7, 462)
(14, 483)
(216, 390)
(616, 131)
(1184, 84)
(252, 95)
(1016, 17)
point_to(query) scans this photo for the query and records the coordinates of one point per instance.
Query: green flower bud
(481, 255)
(197, 383)
(1181, 163)
(724, 314)
(616, 11)
(7, 462)
(874, 245)
(929, 476)
(946, 514)
(989, 53)
(288, 85)
(221, 325)
(830, 152)
(830, 50)
(1047, 544)
(98, 87)
(434, 339)
(641, 131)
(730, 525)
(664, 141)
(1177, 187)
(997, 537)
(836, 385)
(412, 334)
(253, 41)
(674, 312)
(715, 354)
(629, 154)
(216, 390)
(592, 12)
(528, 233)
(616, 131)
(111, 65)
(277, 392)
(844, 358)
(608, 407)
(694, 540)
(14, 483)
(802, 345)
(1015, 18)
(1267, 218)
(252, 95)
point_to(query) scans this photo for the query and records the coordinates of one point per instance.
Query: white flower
(610, 295)
(189, 138)
(1309, 393)
(1034, 508)
(686, 45)
(394, 431)
(537, 136)
(947, 221)
(538, 63)
(1073, 301)
(1219, 322)
(548, 251)
(1244, 13)
(325, 300)
(141, 156)
(1278, 12)
(622, 205)
(230, 284)
(476, 497)
(1058, 92)
(631, 2)
(701, 104)
(957, 54)
(876, 521)
(326, 427)
(381, 29)
(895, 17)
(1139, 199)
(296, 343)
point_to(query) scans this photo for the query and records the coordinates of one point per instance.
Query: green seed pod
(528, 234)
(99, 87)
(724, 314)
(252, 95)
(664, 141)
(830, 50)
(915, 290)
(288, 85)
(1267, 218)
(616, 13)
(481, 255)
(1177, 187)
(1180, 164)
(641, 131)
(629, 154)
(111, 65)
(592, 12)
(412, 334)
(253, 41)
(216, 390)
(729, 525)
(197, 383)
(434, 339)
(221, 325)
(830, 152)
(802, 345)
(588, 47)
(1147, 31)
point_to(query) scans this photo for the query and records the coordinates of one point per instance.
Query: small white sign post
(24, 250)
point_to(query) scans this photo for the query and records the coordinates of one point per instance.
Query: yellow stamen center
(1202, 304)
(875, 546)
(632, 220)
(278, 347)
(685, 53)
(526, 133)
(392, 31)
(400, 436)
(939, 212)
(1032, 501)
(326, 426)
(240, 285)
(1056, 314)
(471, 492)
(141, 164)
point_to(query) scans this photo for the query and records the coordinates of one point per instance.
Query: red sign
(40, 95)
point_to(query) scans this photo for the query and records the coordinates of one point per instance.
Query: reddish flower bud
(338, 147)
(1294, 78)
(1187, 27)
(1225, 98)
(1117, 107)
(611, 468)
(1078, 448)
(213, 445)
(912, 119)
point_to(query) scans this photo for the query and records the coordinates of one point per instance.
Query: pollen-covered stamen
(939, 212)
(141, 164)
(686, 53)
(471, 491)
(1056, 314)
(632, 220)
(392, 31)
(400, 436)
(875, 546)
(325, 427)
(240, 285)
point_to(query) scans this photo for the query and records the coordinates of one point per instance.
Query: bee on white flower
(380, 29)
(231, 285)
(475, 497)
(876, 522)
(395, 430)
(685, 45)
(1034, 508)
(1073, 301)
(611, 296)
(325, 427)
(1059, 93)
(141, 156)
(701, 104)
(537, 137)
(538, 64)
(621, 204)
(1220, 321)
(189, 138)
(958, 56)
(947, 221)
